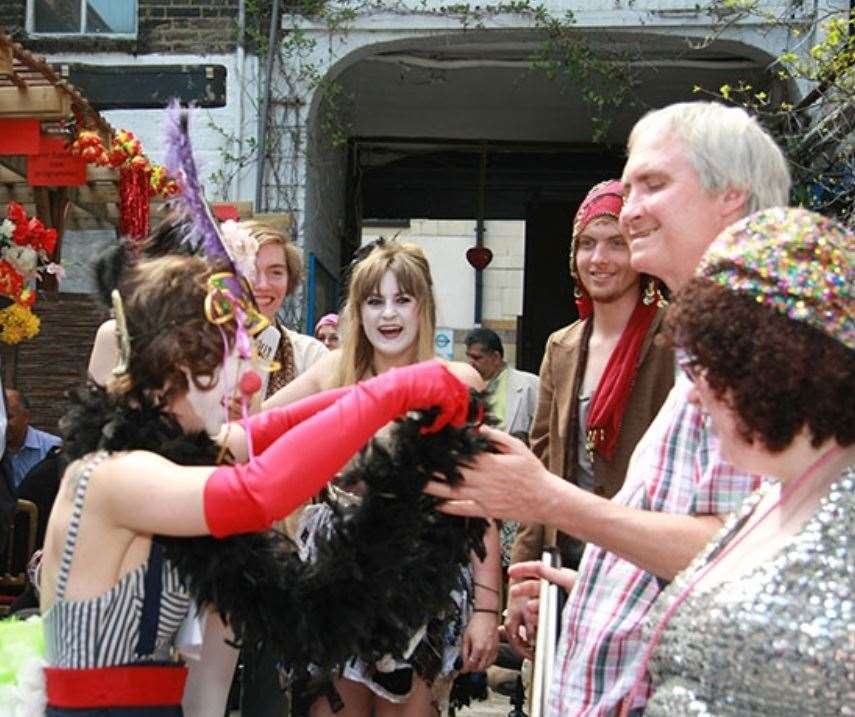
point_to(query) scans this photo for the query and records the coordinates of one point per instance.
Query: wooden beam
(13, 169)
(94, 173)
(6, 60)
(16, 192)
(40, 102)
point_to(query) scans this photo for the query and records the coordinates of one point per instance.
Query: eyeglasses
(690, 366)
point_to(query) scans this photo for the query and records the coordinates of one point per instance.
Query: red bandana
(604, 200)
(610, 398)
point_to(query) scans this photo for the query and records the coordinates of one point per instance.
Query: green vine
(818, 133)
(563, 53)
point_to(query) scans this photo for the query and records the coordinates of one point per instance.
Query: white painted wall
(208, 144)
(445, 244)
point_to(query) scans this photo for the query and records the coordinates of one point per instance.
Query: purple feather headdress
(203, 233)
(229, 291)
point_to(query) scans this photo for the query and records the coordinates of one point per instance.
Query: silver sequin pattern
(779, 640)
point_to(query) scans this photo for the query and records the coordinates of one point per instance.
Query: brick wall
(12, 15)
(197, 26)
(169, 26)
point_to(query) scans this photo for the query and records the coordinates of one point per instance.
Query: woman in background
(326, 331)
(276, 275)
(389, 322)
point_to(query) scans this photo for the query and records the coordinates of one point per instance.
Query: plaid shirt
(675, 468)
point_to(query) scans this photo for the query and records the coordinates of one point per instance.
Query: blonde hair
(727, 147)
(265, 234)
(411, 270)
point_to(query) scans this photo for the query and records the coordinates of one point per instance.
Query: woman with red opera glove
(111, 600)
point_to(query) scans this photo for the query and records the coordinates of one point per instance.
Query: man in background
(25, 446)
(513, 393)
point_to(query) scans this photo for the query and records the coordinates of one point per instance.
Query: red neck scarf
(609, 402)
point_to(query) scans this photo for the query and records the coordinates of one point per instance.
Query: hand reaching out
(524, 601)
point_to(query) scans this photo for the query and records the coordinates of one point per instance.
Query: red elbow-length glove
(328, 429)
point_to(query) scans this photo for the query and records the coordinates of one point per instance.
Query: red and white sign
(55, 166)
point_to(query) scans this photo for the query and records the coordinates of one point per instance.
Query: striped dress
(105, 631)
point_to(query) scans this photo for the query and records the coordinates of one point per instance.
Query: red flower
(49, 241)
(16, 213)
(11, 282)
(33, 234)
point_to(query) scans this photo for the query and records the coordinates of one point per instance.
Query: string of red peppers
(139, 178)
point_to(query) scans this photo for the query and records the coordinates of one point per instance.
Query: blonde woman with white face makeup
(389, 322)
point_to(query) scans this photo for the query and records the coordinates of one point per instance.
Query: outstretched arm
(315, 379)
(514, 484)
(149, 494)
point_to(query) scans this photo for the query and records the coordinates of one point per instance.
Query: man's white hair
(727, 147)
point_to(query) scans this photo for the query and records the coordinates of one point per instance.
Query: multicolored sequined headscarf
(793, 260)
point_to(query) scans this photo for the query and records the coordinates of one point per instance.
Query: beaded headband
(795, 261)
(604, 200)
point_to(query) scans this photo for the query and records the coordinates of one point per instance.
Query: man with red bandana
(602, 381)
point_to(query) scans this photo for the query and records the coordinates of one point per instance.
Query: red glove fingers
(296, 465)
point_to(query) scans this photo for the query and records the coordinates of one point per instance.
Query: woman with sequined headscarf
(761, 621)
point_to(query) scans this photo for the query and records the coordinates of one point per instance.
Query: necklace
(787, 491)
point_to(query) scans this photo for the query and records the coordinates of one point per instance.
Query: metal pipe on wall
(265, 106)
(480, 231)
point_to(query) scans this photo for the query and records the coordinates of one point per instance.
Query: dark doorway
(542, 184)
(548, 290)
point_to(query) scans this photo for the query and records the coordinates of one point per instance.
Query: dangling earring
(649, 295)
(652, 294)
(577, 292)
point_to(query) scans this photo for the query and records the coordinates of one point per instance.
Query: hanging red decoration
(479, 257)
(139, 178)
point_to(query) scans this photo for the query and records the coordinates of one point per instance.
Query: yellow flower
(18, 323)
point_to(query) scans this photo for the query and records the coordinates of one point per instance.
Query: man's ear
(734, 202)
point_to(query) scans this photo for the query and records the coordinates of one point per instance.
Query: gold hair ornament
(123, 337)
(223, 306)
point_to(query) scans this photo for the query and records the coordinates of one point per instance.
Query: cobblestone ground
(497, 706)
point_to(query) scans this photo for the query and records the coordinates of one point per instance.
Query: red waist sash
(128, 686)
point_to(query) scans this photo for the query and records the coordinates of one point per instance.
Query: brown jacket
(554, 426)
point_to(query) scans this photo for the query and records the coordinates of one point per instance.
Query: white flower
(7, 228)
(241, 246)
(58, 269)
(24, 259)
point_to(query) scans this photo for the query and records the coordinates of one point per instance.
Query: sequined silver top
(779, 640)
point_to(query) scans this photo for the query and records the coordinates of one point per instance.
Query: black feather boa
(388, 566)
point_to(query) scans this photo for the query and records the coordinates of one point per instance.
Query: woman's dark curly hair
(777, 374)
(164, 305)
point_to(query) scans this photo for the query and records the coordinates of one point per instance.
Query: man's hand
(506, 485)
(521, 617)
(519, 630)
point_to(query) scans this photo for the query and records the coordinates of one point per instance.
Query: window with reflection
(83, 17)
